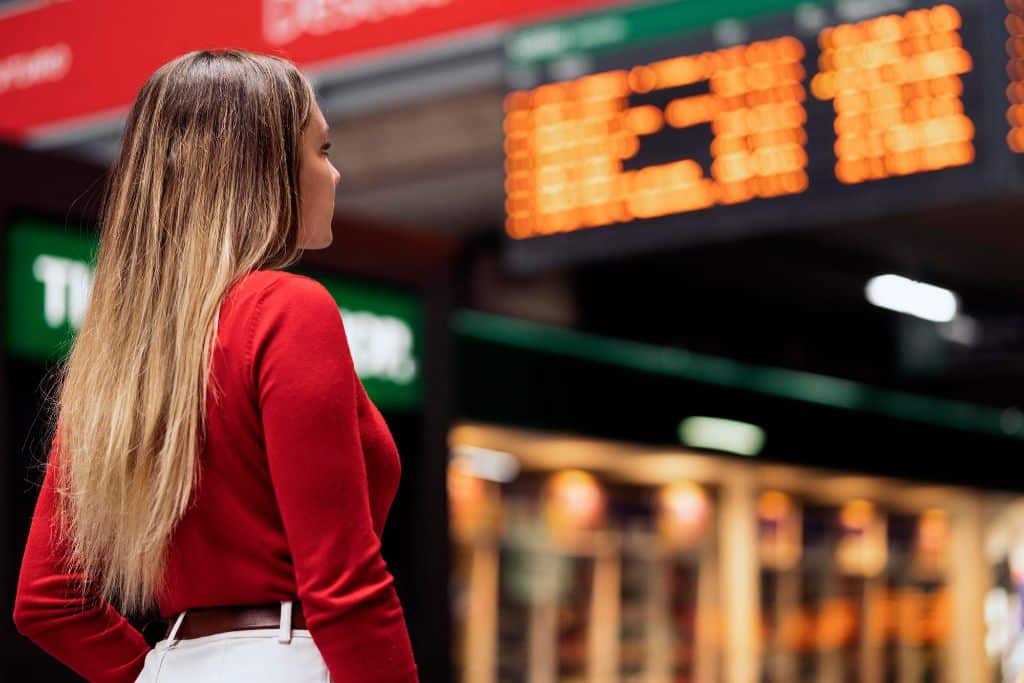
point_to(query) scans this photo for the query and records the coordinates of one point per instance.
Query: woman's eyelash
(327, 147)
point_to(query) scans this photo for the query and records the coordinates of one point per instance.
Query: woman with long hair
(213, 454)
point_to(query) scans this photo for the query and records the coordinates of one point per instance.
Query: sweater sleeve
(305, 382)
(87, 635)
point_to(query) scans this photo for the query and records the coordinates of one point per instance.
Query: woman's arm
(305, 382)
(87, 635)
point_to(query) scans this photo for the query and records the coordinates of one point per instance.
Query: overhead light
(486, 463)
(715, 433)
(918, 299)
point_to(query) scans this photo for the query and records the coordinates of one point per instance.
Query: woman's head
(222, 171)
(223, 149)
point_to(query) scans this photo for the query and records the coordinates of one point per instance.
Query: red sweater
(298, 474)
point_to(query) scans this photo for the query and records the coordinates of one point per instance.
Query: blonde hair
(205, 189)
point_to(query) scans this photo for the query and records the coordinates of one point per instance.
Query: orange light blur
(774, 506)
(684, 512)
(464, 490)
(574, 500)
(933, 531)
(907, 615)
(473, 505)
(779, 531)
(836, 623)
(862, 548)
(644, 120)
(1015, 68)
(895, 82)
(565, 143)
(857, 514)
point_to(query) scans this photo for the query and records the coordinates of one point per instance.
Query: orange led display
(575, 150)
(1015, 70)
(895, 82)
(566, 143)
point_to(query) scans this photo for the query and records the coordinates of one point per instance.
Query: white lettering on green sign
(49, 281)
(66, 287)
(381, 346)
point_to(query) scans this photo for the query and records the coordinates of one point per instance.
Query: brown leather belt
(206, 621)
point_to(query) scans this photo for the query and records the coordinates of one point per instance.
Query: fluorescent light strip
(919, 299)
(486, 463)
(718, 434)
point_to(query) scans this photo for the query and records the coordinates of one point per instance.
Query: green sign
(49, 280)
(629, 24)
(49, 277)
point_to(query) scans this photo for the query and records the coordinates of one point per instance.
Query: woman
(215, 456)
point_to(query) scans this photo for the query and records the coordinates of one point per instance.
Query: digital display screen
(1015, 71)
(625, 135)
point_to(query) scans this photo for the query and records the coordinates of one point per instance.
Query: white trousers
(273, 655)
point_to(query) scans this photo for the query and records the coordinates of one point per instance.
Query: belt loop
(174, 629)
(285, 633)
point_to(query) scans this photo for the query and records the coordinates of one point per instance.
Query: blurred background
(697, 322)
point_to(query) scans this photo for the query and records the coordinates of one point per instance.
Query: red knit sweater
(298, 474)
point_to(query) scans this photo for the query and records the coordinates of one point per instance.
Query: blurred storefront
(610, 524)
(586, 560)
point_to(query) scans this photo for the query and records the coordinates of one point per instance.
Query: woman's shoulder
(277, 285)
(276, 295)
(290, 308)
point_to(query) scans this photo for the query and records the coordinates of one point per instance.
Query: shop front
(710, 546)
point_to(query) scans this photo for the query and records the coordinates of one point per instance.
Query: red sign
(66, 62)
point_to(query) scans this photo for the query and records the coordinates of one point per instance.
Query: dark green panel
(49, 276)
(626, 25)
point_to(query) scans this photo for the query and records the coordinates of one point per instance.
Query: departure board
(658, 125)
(1015, 71)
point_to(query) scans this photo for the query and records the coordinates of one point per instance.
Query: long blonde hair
(205, 189)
